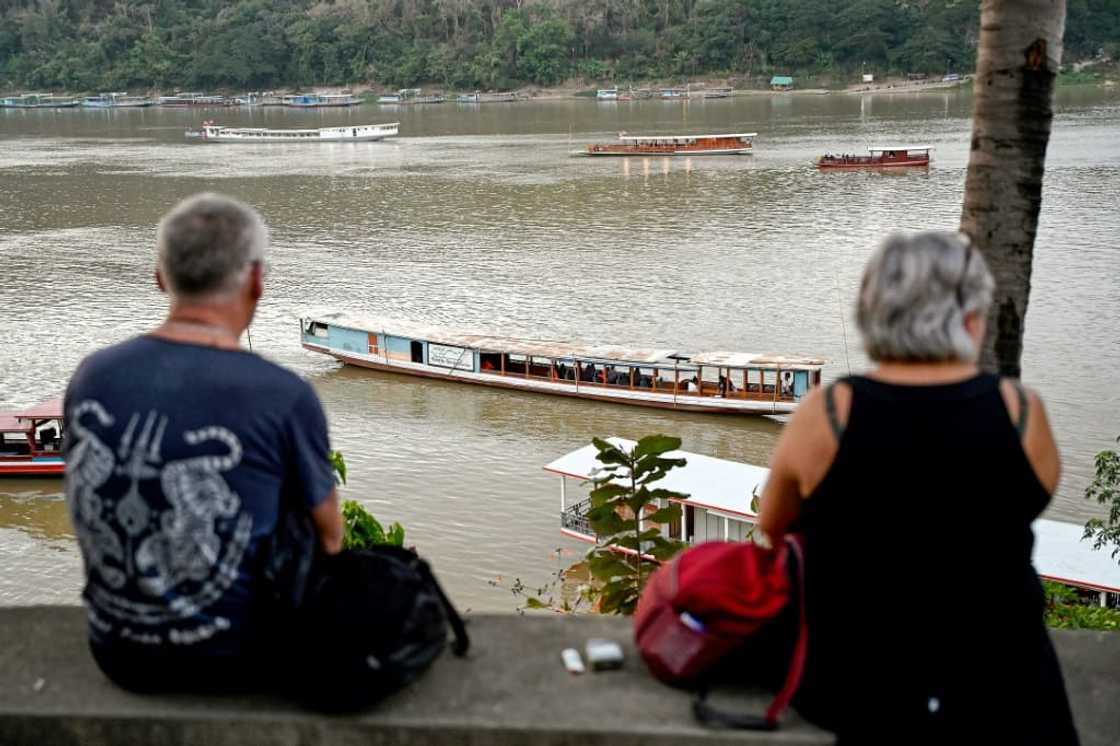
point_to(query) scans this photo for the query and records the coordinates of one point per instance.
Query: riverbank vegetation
(89, 45)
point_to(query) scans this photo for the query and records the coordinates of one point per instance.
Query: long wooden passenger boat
(716, 382)
(889, 156)
(719, 506)
(661, 145)
(210, 132)
(31, 441)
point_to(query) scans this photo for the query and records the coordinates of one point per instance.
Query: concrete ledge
(511, 690)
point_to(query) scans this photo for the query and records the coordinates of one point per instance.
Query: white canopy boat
(716, 382)
(718, 507)
(210, 132)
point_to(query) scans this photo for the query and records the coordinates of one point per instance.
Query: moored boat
(410, 96)
(31, 441)
(37, 101)
(655, 145)
(320, 100)
(486, 98)
(194, 98)
(210, 132)
(890, 156)
(119, 100)
(607, 94)
(717, 93)
(715, 382)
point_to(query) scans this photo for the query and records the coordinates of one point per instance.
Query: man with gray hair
(181, 450)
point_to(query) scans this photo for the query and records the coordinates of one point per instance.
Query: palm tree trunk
(1020, 51)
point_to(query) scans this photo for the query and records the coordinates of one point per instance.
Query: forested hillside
(254, 44)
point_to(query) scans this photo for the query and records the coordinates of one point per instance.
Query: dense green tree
(100, 44)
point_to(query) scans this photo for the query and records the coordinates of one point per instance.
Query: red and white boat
(31, 441)
(890, 156)
(664, 145)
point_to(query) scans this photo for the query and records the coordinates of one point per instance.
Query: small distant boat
(31, 441)
(718, 93)
(889, 156)
(194, 99)
(37, 101)
(660, 145)
(409, 96)
(321, 100)
(116, 101)
(607, 94)
(673, 93)
(486, 98)
(210, 132)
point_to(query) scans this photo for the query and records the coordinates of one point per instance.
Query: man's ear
(256, 281)
(159, 281)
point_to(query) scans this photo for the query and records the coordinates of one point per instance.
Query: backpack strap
(709, 715)
(1024, 406)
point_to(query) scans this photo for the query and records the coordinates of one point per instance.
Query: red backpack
(703, 607)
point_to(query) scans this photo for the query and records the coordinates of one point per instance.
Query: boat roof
(46, 410)
(1060, 554)
(564, 349)
(651, 138)
(750, 359)
(899, 147)
(10, 424)
(725, 486)
(711, 483)
(552, 348)
(17, 421)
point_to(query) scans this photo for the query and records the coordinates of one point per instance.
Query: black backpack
(357, 625)
(375, 620)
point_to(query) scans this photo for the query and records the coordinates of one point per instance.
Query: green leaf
(667, 550)
(669, 514)
(656, 445)
(607, 491)
(608, 453)
(338, 463)
(532, 602)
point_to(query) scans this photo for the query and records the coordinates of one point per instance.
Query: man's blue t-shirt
(177, 459)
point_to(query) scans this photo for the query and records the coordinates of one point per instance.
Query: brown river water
(476, 217)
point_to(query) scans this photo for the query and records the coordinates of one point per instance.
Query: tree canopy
(119, 44)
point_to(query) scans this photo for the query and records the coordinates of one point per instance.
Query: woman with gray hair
(919, 481)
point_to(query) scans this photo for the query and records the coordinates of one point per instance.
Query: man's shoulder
(232, 368)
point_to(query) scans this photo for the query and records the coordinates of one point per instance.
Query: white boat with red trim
(31, 441)
(714, 382)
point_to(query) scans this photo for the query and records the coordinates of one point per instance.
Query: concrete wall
(511, 689)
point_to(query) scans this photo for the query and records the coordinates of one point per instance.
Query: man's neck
(208, 325)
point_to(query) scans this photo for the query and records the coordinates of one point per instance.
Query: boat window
(318, 329)
(490, 362)
(417, 350)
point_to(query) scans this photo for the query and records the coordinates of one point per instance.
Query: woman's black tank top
(924, 611)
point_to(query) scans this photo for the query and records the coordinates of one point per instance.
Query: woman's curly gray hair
(916, 292)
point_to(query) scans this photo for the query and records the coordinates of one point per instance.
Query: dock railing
(574, 518)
